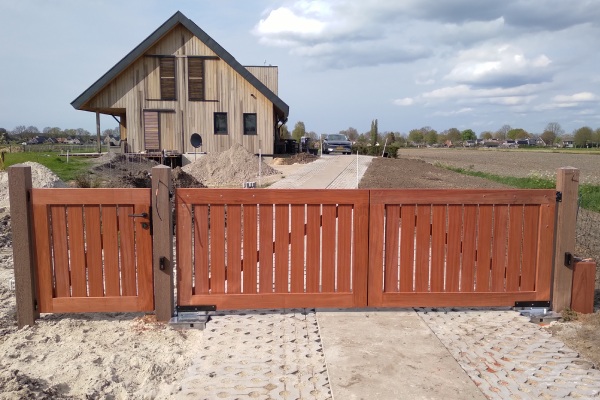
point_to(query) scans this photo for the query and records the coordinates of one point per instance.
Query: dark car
(336, 143)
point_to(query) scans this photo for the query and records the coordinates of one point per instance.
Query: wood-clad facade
(179, 82)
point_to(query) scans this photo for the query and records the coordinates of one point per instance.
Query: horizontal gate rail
(93, 250)
(460, 247)
(239, 248)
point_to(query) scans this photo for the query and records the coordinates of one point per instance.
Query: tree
(582, 136)
(596, 137)
(415, 136)
(555, 128)
(548, 137)
(430, 137)
(19, 130)
(453, 135)
(486, 135)
(468, 134)
(351, 133)
(284, 132)
(299, 131)
(502, 133)
(32, 129)
(374, 133)
(518, 133)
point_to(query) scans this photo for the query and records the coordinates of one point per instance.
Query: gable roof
(138, 51)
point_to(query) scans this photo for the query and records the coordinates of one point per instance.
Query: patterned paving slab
(270, 354)
(508, 357)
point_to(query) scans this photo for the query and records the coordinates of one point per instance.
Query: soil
(299, 158)
(582, 335)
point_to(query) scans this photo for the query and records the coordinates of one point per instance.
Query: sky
(468, 64)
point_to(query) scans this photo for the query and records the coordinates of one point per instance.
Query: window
(195, 79)
(167, 78)
(249, 124)
(220, 123)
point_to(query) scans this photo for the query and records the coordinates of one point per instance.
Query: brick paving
(509, 357)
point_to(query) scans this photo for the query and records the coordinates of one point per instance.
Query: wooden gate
(276, 248)
(460, 247)
(93, 250)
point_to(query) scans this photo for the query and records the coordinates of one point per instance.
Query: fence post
(19, 186)
(162, 243)
(567, 182)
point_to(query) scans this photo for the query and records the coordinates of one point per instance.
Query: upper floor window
(249, 123)
(220, 123)
(195, 79)
(167, 78)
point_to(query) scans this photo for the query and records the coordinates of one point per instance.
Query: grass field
(66, 171)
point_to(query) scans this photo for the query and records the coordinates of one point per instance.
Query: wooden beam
(19, 183)
(567, 182)
(162, 242)
(98, 132)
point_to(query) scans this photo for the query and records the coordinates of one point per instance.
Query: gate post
(19, 186)
(567, 182)
(162, 243)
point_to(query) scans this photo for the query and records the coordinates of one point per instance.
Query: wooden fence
(91, 251)
(460, 247)
(241, 248)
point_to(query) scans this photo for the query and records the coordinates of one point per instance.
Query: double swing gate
(271, 248)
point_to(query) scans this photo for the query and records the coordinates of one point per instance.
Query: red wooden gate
(460, 247)
(93, 250)
(241, 248)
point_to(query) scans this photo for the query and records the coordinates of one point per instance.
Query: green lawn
(65, 171)
(589, 194)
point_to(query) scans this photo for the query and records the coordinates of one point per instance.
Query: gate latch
(558, 197)
(570, 259)
(141, 215)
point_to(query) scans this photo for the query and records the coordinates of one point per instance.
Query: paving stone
(509, 357)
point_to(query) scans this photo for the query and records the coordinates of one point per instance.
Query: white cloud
(504, 66)
(407, 101)
(464, 110)
(575, 98)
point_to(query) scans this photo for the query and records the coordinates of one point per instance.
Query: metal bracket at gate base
(532, 304)
(570, 259)
(203, 307)
(558, 197)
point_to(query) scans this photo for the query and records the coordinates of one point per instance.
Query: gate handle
(143, 215)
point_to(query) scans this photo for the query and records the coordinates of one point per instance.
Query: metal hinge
(558, 197)
(570, 260)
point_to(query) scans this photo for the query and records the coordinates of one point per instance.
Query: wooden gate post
(567, 182)
(19, 186)
(162, 243)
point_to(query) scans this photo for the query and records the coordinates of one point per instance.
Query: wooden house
(178, 82)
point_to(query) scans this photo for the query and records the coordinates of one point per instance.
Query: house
(179, 81)
(568, 141)
(112, 140)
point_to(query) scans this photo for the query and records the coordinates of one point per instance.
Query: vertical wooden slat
(313, 249)
(76, 251)
(126, 230)
(499, 254)
(234, 249)
(183, 246)
(469, 249)
(453, 247)
(93, 255)
(329, 249)
(266, 248)
(43, 256)
(143, 246)
(530, 240)
(407, 248)
(438, 247)
(515, 231)
(423, 248)
(360, 252)
(392, 222)
(297, 244)
(61, 255)
(545, 252)
(376, 249)
(282, 254)
(201, 248)
(484, 243)
(217, 248)
(110, 245)
(344, 249)
(250, 248)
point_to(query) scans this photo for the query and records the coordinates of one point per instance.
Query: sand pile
(41, 177)
(232, 168)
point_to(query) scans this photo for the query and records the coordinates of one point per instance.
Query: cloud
(575, 98)
(464, 110)
(407, 101)
(499, 66)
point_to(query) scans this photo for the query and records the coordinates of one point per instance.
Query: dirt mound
(182, 179)
(300, 158)
(41, 177)
(232, 167)
(5, 232)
